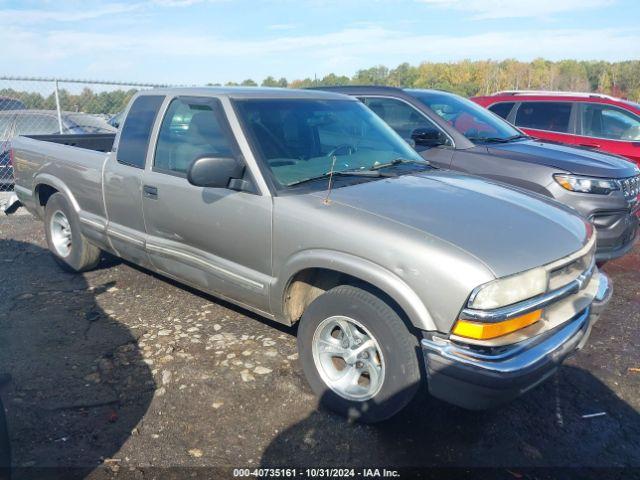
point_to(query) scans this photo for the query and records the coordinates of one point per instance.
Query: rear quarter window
(134, 139)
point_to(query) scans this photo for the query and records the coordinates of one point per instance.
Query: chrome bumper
(514, 357)
(603, 295)
(479, 378)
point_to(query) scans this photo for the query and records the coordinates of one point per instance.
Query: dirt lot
(123, 369)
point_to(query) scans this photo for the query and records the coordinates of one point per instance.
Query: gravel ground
(119, 370)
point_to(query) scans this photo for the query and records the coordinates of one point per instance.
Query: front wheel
(358, 354)
(65, 240)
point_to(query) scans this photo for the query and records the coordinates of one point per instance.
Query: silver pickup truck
(304, 206)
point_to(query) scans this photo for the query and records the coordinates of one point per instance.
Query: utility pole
(58, 107)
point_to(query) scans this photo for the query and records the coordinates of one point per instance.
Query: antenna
(326, 200)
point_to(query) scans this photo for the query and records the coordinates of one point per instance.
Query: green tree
(270, 82)
(333, 80)
(371, 76)
(404, 75)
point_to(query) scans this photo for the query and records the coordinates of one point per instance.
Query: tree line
(484, 77)
(86, 101)
(467, 78)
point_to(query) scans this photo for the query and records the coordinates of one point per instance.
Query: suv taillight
(11, 158)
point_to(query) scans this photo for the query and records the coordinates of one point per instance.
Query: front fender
(357, 267)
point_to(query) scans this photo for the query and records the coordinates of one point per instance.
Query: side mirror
(214, 172)
(428, 137)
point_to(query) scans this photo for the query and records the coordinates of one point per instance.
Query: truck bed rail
(100, 142)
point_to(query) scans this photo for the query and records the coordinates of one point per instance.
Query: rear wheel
(358, 354)
(65, 240)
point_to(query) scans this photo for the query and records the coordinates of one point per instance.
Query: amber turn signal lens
(565, 183)
(486, 331)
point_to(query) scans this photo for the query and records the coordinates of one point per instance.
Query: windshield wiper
(398, 161)
(372, 172)
(341, 173)
(498, 139)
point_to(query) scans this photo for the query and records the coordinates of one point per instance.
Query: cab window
(134, 139)
(604, 121)
(191, 128)
(550, 116)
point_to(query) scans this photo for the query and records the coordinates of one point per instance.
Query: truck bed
(78, 159)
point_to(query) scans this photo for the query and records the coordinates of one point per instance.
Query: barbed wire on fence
(89, 82)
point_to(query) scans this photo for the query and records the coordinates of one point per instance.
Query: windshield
(469, 118)
(300, 139)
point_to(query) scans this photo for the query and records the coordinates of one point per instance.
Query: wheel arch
(45, 186)
(310, 273)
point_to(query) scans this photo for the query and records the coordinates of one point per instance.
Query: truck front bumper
(478, 379)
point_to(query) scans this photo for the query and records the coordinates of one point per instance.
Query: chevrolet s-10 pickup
(304, 206)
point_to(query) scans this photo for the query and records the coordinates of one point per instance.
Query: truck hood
(506, 229)
(580, 161)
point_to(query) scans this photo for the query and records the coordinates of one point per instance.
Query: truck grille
(630, 186)
(569, 272)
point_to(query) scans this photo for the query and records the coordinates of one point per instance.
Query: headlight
(574, 183)
(510, 290)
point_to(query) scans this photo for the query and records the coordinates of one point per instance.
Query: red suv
(581, 119)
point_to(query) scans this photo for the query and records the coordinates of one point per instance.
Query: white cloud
(491, 9)
(198, 58)
(176, 3)
(282, 26)
(17, 16)
(25, 16)
(183, 3)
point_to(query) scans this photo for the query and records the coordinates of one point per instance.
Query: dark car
(40, 122)
(8, 103)
(455, 133)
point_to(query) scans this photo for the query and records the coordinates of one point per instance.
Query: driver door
(216, 239)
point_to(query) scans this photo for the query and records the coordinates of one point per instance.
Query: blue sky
(200, 41)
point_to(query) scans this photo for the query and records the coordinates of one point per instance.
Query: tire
(78, 255)
(395, 356)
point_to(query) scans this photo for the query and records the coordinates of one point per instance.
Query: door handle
(589, 145)
(150, 191)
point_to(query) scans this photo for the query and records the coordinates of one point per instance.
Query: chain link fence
(38, 106)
